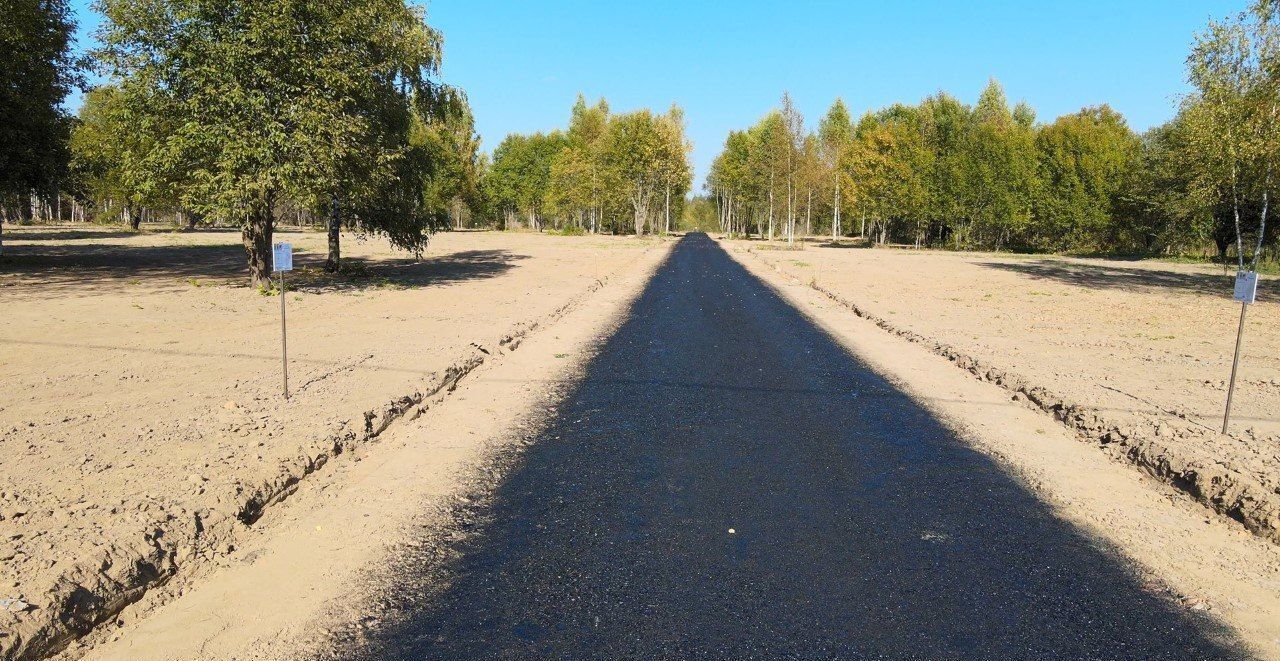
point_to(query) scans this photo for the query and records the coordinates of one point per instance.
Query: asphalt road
(727, 482)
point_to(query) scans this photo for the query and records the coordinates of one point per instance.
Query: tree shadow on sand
(78, 270)
(1104, 276)
(360, 273)
(64, 234)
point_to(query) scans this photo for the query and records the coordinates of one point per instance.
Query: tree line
(989, 176)
(253, 114)
(607, 172)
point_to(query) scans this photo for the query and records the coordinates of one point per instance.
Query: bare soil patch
(142, 426)
(1133, 355)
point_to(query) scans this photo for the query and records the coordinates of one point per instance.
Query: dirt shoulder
(1133, 356)
(1209, 564)
(143, 429)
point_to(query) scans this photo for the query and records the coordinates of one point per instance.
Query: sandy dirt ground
(142, 426)
(1207, 563)
(312, 579)
(1133, 354)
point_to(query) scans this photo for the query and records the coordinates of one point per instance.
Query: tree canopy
(39, 71)
(238, 125)
(625, 172)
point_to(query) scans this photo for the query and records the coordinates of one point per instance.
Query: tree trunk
(256, 235)
(770, 207)
(667, 212)
(334, 261)
(808, 213)
(133, 218)
(835, 216)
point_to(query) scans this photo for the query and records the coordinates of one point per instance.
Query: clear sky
(727, 63)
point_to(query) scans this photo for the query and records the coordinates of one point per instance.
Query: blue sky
(727, 63)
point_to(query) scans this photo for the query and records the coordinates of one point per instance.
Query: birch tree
(835, 134)
(1235, 68)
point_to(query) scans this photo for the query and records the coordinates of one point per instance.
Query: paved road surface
(861, 526)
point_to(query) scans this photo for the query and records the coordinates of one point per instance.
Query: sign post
(281, 261)
(1246, 291)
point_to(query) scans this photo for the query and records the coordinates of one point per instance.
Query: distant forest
(945, 174)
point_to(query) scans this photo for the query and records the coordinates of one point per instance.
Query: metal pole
(284, 341)
(1235, 362)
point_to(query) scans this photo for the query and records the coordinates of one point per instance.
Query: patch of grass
(562, 355)
(194, 282)
(1145, 336)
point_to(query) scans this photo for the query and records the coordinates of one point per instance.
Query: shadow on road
(802, 507)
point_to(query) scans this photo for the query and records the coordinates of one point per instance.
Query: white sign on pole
(1246, 286)
(282, 257)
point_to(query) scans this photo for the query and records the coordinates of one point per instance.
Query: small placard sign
(1246, 286)
(282, 257)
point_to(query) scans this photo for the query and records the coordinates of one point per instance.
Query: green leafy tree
(1002, 170)
(1085, 161)
(835, 136)
(251, 126)
(1232, 123)
(520, 178)
(732, 180)
(108, 153)
(674, 172)
(577, 187)
(633, 149)
(38, 73)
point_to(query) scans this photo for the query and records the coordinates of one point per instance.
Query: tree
(38, 73)
(792, 138)
(107, 157)
(732, 181)
(520, 177)
(577, 181)
(1085, 161)
(699, 214)
(257, 127)
(673, 162)
(948, 129)
(454, 151)
(835, 135)
(1002, 167)
(632, 154)
(1232, 119)
(888, 163)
